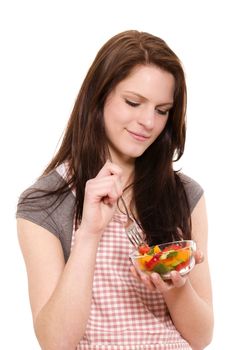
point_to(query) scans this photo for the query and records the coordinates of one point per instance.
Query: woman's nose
(147, 118)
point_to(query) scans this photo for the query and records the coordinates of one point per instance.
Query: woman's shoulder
(45, 194)
(52, 211)
(193, 189)
(47, 182)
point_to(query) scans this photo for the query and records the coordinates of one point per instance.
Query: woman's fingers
(107, 188)
(161, 285)
(177, 280)
(155, 282)
(101, 195)
(107, 182)
(109, 168)
(199, 257)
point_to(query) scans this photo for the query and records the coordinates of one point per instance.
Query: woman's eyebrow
(144, 98)
(136, 94)
(170, 104)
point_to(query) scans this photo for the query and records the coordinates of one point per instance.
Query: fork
(131, 230)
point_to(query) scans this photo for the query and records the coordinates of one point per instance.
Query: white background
(46, 49)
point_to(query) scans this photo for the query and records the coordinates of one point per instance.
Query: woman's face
(136, 111)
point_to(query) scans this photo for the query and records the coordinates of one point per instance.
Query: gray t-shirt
(57, 217)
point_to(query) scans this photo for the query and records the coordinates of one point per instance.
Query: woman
(126, 129)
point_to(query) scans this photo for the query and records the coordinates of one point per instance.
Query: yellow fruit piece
(142, 260)
(183, 255)
(168, 262)
(157, 249)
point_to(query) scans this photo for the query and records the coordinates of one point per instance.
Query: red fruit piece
(172, 247)
(153, 261)
(143, 249)
(182, 265)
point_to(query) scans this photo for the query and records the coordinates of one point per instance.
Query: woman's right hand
(100, 199)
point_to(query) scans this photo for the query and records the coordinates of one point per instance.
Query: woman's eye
(131, 103)
(161, 112)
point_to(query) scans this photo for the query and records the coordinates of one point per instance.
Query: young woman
(126, 129)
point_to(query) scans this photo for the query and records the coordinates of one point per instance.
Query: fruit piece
(152, 262)
(176, 263)
(157, 249)
(172, 254)
(168, 254)
(142, 260)
(183, 254)
(161, 269)
(172, 247)
(151, 251)
(163, 256)
(143, 249)
(182, 265)
(169, 262)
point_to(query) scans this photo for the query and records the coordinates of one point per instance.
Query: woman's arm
(190, 306)
(189, 298)
(60, 294)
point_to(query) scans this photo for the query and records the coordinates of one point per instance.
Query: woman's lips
(138, 136)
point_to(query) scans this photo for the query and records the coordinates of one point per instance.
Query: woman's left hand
(155, 282)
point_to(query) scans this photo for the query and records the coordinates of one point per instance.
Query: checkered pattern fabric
(124, 314)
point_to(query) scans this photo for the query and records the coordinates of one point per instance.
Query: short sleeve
(52, 212)
(193, 190)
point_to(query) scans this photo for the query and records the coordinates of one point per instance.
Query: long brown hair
(158, 193)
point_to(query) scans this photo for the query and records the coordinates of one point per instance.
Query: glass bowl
(166, 257)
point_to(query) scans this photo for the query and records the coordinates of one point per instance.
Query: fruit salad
(165, 258)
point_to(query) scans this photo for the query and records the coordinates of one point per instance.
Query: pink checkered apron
(124, 314)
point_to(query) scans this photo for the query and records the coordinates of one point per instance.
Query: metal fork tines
(133, 235)
(131, 230)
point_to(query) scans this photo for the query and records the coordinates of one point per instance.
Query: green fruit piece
(176, 263)
(161, 269)
(172, 254)
(151, 251)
